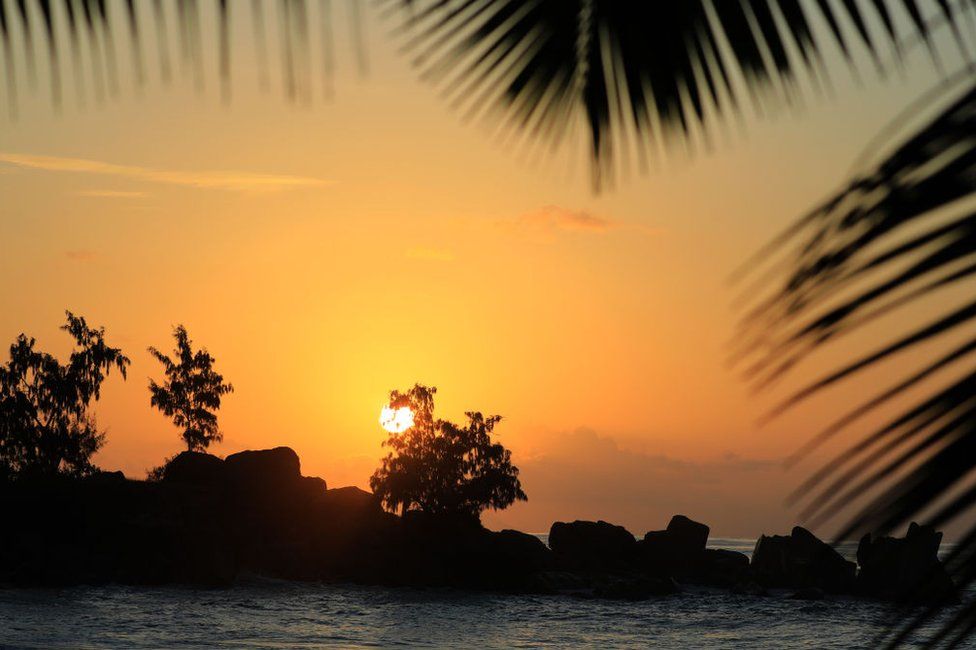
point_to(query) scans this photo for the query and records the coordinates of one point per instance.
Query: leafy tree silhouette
(192, 392)
(440, 467)
(45, 426)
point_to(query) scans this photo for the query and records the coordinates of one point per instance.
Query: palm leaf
(92, 28)
(903, 229)
(638, 77)
(645, 75)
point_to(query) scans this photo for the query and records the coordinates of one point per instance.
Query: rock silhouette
(905, 569)
(591, 544)
(801, 561)
(679, 551)
(210, 521)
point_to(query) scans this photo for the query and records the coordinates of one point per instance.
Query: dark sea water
(271, 614)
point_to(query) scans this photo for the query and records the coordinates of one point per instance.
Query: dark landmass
(210, 521)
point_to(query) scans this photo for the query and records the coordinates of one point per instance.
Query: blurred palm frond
(902, 231)
(641, 77)
(646, 75)
(166, 39)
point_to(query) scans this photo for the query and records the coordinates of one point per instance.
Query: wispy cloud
(430, 254)
(112, 194)
(219, 180)
(554, 217)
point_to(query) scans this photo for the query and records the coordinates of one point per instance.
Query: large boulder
(351, 504)
(591, 544)
(721, 567)
(194, 467)
(559, 582)
(517, 555)
(678, 551)
(688, 534)
(801, 560)
(904, 569)
(265, 467)
(352, 537)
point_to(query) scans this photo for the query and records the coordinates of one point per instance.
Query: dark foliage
(100, 31)
(901, 231)
(443, 468)
(192, 392)
(640, 75)
(637, 76)
(45, 424)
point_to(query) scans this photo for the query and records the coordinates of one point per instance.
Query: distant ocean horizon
(281, 615)
(847, 548)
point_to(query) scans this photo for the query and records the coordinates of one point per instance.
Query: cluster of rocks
(904, 569)
(209, 521)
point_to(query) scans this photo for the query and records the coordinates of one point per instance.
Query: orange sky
(327, 253)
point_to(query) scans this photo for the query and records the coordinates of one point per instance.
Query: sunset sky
(328, 251)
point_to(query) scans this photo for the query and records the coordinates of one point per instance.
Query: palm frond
(110, 36)
(640, 74)
(902, 230)
(639, 77)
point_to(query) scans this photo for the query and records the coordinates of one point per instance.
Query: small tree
(192, 392)
(440, 467)
(45, 424)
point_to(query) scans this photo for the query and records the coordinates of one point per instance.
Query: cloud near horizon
(219, 180)
(583, 475)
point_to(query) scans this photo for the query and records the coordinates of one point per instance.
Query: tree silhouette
(192, 392)
(45, 424)
(439, 467)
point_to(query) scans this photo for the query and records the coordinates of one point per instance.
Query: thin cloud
(218, 180)
(430, 254)
(554, 217)
(112, 194)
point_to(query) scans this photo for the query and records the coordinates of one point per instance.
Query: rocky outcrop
(677, 551)
(208, 521)
(801, 560)
(905, 569)
(680, 552)
(687, 534)
(519, 553)
(595, 545)
(721, 567)
(559, 582)
(634, 588)
(266, 468)
(194, 467)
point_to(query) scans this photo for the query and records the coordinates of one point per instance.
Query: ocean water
(273, 614)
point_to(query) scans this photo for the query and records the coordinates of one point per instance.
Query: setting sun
(396, 420)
